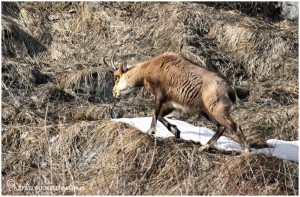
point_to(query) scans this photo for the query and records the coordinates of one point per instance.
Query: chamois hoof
(177, 135)
(246, 151)
(204, 147)
(175, 131)
(151, 131)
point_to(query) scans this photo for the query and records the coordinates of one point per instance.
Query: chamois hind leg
(221, 117)
(232, 126)
(224, 119)
(215, 137)
(218, 134)
(243, 140)
(165, 110)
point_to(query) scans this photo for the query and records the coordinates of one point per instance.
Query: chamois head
(123, 83)
(122, 86)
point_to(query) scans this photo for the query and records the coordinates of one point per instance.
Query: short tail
(231, 94)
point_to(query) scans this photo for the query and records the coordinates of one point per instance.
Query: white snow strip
(288, 150)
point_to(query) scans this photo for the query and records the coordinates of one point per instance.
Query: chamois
(179, 83)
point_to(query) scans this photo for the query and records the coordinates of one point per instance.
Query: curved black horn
(105, 62)
(112, 61)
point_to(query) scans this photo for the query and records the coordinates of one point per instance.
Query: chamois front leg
(159, 99)
(165, 110)
(171, 127)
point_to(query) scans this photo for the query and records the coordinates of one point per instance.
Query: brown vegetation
(57, 100)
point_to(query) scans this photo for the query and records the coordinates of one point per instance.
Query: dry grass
(56, 97)
(103, 158)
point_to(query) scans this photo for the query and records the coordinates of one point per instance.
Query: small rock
(54, 138)
(67, 16)
(53, 17)
(72, 11)
(290, 10)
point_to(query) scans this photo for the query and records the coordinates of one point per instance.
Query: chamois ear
(124, 67)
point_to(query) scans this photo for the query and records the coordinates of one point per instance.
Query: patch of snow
(288, 150)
